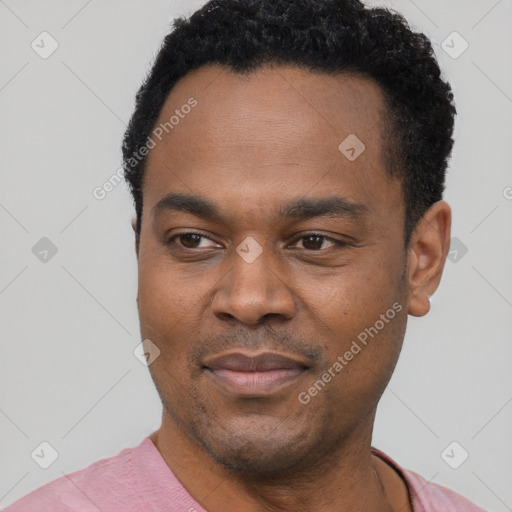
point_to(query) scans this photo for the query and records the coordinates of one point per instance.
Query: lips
(253, 375)
(239, 362)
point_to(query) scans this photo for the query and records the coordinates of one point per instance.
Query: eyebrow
(318, 207)
(299, 209)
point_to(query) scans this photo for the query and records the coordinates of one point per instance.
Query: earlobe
(137, 236)
(137, 242)
(427, 254)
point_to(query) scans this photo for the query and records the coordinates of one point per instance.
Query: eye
(192, 240)
(317, 242)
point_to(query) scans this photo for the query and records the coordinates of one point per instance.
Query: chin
(255, 457)
(257, 446)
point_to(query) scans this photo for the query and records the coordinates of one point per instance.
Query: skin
(253, 144)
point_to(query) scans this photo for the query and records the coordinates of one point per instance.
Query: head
(287, 164)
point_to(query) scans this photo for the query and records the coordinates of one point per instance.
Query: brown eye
(313, 242)
(317, 242)
(190, 240)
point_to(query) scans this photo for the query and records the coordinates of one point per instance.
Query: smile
(258, 375)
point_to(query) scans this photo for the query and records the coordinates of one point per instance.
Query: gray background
(69, 325)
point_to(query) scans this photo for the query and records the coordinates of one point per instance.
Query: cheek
(172, 305)
(363, 332)
(164, 312)
(355, 296)
(362, 315)
(158, 299)
(166, 297)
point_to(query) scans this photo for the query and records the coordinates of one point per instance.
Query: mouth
(255, 375)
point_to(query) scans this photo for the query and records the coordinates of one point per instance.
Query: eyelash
(336, 242)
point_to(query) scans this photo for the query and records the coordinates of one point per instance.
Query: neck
(344, 480)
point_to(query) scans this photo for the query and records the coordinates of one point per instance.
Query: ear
(426, 256)
(137, 236)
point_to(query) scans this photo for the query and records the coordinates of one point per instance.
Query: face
(271, 263)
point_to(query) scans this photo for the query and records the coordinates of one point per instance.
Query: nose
(253, 292)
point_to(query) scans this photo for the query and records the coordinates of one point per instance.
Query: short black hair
(326, 36)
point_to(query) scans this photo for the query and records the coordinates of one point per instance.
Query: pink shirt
(139, 480)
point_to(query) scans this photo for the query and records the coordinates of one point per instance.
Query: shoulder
(430, 497)
(104, 481)
(426, 496)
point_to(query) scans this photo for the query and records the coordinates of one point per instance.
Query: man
(287, 163)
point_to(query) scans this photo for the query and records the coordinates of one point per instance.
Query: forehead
(275, 130)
